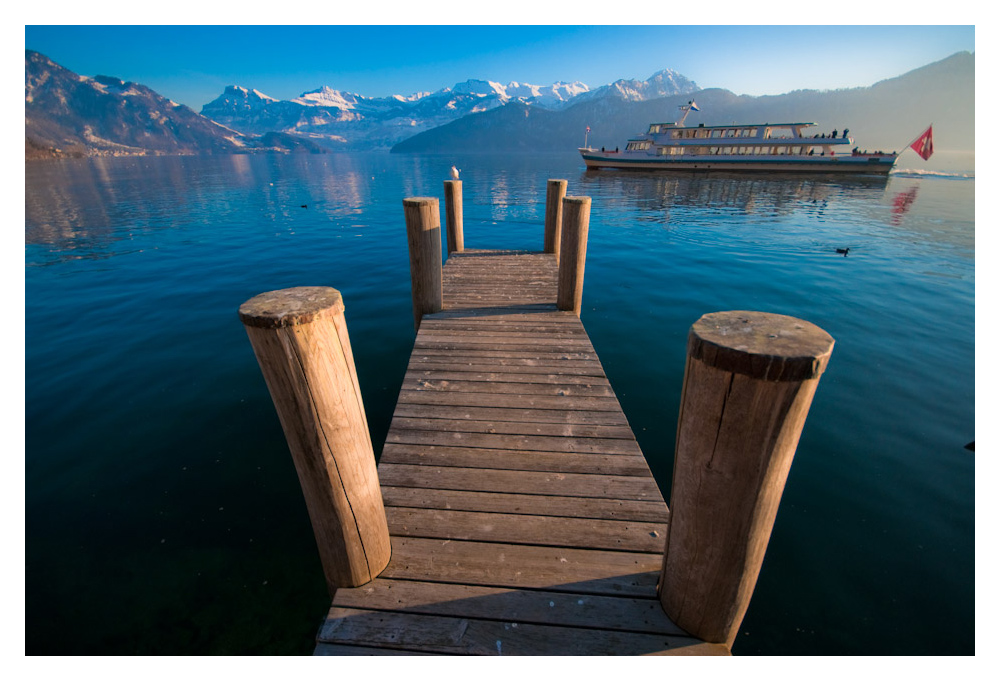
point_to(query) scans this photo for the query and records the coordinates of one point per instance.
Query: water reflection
(758, 194)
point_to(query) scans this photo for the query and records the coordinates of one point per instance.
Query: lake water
(162, 510)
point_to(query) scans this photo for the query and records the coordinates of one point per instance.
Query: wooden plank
(638, 615)
(521, 337)
(533, 347)
(538, 443)
(515, 324)
(524, 482)
(414, 376)
(450, 425)
(509, 401)
(512, 388)
(346, 650)
(464, 636)
(552, 357)
(562, 367)
(451, 311)
(581, 571)
(504, 459)
(512, 414)
(527, 504)
(538, 530)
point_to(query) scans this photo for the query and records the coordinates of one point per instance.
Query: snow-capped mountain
(352, 121)
(665, 83)
(66, 114)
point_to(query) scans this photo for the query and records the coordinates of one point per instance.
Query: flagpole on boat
(909, 144)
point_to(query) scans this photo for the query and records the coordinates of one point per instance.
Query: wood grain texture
(573, 253)
(737, 435)
(300, 339)
(554, 194)
(423, 236)
(454, 222)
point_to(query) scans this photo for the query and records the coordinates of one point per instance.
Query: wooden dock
(512, 511)
(523, 516)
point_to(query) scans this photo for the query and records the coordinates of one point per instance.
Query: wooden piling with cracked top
(299, 336)
(748, 384)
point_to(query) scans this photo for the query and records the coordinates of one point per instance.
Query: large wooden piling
(554, 195)
(573, 252)
(423, 234)
(749, 381)
(453, 215)
(300, 339)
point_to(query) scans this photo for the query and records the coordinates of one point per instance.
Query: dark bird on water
(843, 250)
(971, 446)
(305, 205)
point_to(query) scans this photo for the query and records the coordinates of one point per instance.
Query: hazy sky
(192, 64)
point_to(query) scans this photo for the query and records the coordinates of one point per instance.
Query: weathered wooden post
(453, 215)
(748, 383)
(423, 234)
(573, 252)
(554, 195)
(300, 339)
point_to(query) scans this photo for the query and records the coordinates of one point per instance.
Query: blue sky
(192, 64)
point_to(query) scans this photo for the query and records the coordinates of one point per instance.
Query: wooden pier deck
(523, 517)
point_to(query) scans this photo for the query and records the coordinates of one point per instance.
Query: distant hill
(70, 115)
(886, 115)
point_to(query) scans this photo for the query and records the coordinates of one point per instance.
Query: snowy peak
(549, 95)
(663, 83)
(237, 97)
(482, 88)
(327, 96)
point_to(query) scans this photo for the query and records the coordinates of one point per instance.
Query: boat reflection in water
(775, 193)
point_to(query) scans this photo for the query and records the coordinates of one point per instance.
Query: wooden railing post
(453, 215)
(573, 252)
(554, 195)
(423, 234)
(300, 339)
(748, 384)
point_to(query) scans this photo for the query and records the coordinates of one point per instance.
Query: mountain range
(71, 115)
(345, 120)
(886, 115)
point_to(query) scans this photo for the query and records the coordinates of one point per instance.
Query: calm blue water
(163, 513)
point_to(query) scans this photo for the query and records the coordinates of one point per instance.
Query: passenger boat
(776, 147)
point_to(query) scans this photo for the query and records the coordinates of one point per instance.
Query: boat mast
(686, 108)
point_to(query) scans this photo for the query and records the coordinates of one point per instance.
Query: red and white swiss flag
(924, 145)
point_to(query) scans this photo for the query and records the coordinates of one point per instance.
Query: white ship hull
(862, 164)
